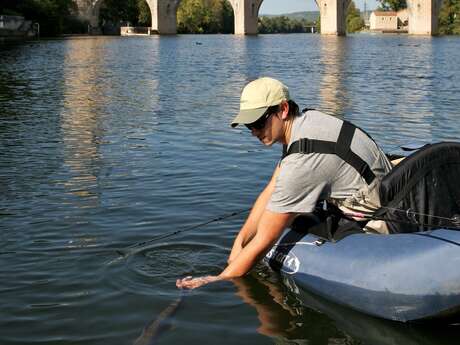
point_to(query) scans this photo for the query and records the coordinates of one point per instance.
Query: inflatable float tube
(402, 277)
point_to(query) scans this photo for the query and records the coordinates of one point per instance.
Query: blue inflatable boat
(402, 277)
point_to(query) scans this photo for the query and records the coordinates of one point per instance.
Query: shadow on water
(293, 316)
(162, 323)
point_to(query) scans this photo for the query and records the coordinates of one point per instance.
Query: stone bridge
(423, 15)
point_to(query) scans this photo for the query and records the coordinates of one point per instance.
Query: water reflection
(332, 90)
(10, 86)
(374, 331)
(171, 82)
(291, 315)
(282, 316)
(414, 83)
(256, 58)
(81, 127)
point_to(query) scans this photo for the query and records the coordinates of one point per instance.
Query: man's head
(257, 97)
(266, 109)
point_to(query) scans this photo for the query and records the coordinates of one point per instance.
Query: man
(324, 158)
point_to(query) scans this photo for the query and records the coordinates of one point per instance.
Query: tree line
(54, 16)
(58, 17)
(283, 24)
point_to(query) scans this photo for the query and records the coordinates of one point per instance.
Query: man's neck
(287, 130)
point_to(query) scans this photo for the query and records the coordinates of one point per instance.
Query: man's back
(306, 178)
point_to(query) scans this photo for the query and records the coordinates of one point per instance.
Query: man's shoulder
(314, 116)
(315, 124)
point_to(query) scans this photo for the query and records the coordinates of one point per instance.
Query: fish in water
(160, 324)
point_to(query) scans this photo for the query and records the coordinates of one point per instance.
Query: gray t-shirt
(305, 179)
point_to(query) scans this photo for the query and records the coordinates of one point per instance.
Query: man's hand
(193, 283)
(271, 227)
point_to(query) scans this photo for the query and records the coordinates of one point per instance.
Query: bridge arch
(333, 15)
(246, 13)
(423, 15)
(89, 11)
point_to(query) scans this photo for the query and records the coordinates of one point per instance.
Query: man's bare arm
(249, 228)
(270, 228)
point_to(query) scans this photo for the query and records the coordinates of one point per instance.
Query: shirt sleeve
(301, 183)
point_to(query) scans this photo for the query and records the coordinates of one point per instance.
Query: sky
(288, 6)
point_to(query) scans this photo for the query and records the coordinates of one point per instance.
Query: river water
(106, 142)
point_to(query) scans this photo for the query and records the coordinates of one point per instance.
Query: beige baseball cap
(257, 97)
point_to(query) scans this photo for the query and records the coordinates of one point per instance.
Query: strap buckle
(305, 146)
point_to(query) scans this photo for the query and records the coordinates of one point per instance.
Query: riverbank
(16, 28)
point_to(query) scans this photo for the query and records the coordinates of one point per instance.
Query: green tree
(144, 17)
(228, 18)
(54, 16)
(284, 24)
(393, 5)
(192, 16)
(114, 13)
(354, 20)
(449, 18)
(119, 11)
(205, 16)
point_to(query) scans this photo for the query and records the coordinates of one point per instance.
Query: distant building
(383, 21)
(388, 20)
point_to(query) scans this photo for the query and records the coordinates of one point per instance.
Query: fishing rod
(138, 247)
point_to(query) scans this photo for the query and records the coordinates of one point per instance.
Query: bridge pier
(423, 16)
(246, 16)
(333, 16)
(164, 16)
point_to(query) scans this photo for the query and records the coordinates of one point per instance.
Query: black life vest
(341, 148)
(331, 224)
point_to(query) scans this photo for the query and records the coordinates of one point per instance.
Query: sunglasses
(260, 123)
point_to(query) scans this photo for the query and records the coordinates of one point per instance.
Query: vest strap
(341, 148)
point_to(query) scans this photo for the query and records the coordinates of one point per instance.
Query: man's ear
(284, 110)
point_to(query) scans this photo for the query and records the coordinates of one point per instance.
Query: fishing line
(407, 212)
(410, 212)
(138, 247)
(141, 246)
(453, 222)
